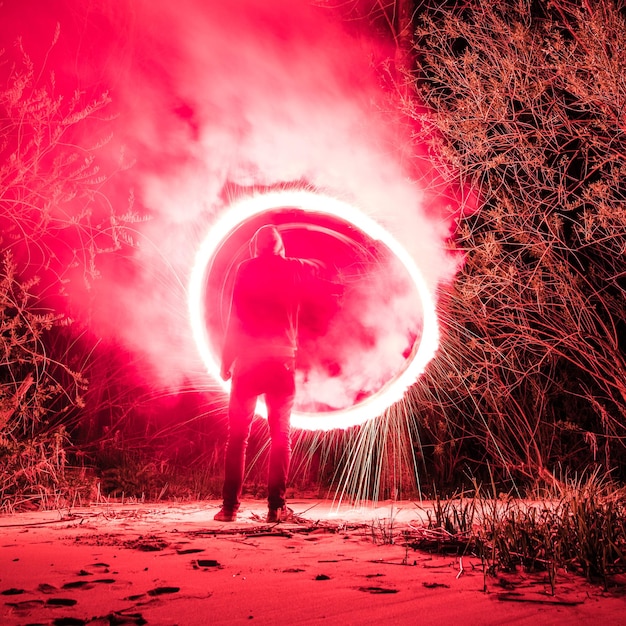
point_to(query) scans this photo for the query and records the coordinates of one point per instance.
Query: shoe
(224, 515)
(283, 514)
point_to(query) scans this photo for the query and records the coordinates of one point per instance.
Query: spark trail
(420, 352)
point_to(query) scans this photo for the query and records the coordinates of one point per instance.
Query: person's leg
(279, 398)
(241, 407)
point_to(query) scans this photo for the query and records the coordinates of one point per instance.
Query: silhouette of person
(259, 354)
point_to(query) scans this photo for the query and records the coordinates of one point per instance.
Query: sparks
(312, 202)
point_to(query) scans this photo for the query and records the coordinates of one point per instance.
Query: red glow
(208, 96)
(377, 354)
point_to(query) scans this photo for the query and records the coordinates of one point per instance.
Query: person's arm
(233, 333)
(226, 369)
(320, 294)
(317, 276)
(311, 269)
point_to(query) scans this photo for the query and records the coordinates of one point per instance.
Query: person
(259, 354)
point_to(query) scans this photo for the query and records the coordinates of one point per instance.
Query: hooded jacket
(268, 289)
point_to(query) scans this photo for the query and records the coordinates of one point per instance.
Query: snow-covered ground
(169, 564)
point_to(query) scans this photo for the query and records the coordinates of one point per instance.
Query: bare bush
(527, 103)
(55, 220)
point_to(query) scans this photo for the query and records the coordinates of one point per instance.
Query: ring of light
(308, 201)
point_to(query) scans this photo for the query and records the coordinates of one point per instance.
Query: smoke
(367, 343)
(211, 95)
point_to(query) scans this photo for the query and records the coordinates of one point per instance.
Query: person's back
(266, 300)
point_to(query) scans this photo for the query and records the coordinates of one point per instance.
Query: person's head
(267, 240)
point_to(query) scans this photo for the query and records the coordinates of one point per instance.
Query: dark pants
(276, 379)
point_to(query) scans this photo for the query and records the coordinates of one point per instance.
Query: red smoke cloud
(213, 95)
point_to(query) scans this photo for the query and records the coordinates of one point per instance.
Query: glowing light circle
(251, 206)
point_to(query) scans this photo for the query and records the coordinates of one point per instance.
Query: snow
(170, 563)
